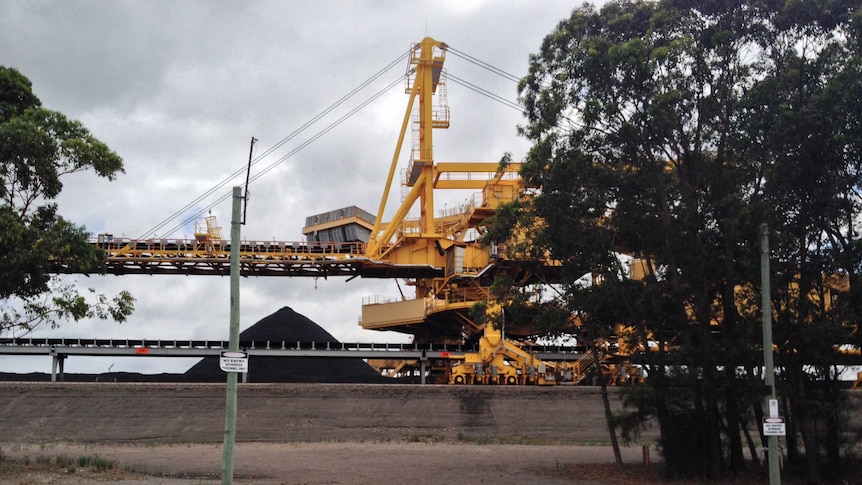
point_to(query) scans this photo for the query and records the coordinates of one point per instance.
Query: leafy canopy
(37, 148)
(669, 131)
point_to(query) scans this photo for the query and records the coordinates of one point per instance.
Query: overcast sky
(179, 88)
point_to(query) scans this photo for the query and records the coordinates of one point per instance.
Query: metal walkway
(61, 348)
(257, 258)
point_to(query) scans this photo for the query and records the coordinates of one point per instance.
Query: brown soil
(322, 463)
(340, 463)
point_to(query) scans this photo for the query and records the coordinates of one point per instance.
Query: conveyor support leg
(57, 361)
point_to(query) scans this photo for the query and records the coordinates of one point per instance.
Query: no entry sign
(234, 361)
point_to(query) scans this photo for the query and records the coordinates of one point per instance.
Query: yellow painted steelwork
(502, 361)
(203, 256)
(437, 240)
(437, 253)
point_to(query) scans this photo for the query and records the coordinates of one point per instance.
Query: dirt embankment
(137, 412)
(323, 434)
(311, 433)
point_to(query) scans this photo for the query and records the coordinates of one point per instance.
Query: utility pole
(768, 364)
(233, 345)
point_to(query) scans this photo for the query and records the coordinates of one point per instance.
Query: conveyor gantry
(257, 258)
(59, 349)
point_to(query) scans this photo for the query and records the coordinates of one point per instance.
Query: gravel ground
(323, 463)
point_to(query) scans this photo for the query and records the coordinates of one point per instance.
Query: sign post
(233, 344)
(768, 364)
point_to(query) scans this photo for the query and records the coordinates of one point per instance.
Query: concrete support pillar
(57, 362)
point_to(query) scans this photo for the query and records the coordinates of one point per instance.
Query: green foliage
(668, 131)
(37, 148)
(95, 463)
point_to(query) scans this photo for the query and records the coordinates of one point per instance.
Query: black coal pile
(103, 377)
(290, 327)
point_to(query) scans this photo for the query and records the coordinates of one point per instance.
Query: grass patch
(95, 463)
(506, 440)
(63, 461)
(90, 463)
(423, 438)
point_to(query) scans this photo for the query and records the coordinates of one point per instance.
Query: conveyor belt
(59, 349)
(257, 258)
(199, 348)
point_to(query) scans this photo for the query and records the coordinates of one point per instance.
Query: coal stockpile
(288, 326)
(284, 325)
(103, 377)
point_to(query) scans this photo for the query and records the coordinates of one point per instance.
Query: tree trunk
(799, 405)
(609, 417)
(717, 465)
(737, 459)
(794, 454)
(705, 420)
(752, 447)
(833, 421)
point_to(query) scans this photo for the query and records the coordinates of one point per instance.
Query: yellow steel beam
(475, 184)
(470, 175)
(476, 167)
(377, 251)
(257, 258)
(373, 242)
(427, 57)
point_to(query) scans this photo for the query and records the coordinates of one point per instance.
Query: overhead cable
(291, 153)
(484, 92)
(178, 213)
(484, 65)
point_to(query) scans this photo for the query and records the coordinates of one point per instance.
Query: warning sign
(234, 361)
(774, 427)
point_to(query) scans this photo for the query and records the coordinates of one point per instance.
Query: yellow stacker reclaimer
(439, 254)
(453, 270)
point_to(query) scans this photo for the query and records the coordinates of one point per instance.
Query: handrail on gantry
(61, 348)
(322, 259)
(81, 346)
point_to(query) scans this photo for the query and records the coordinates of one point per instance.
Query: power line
(178, 213)
(484, 65)
(484, 92)
(290, 154)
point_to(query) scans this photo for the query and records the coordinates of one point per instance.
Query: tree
(669, 131)
(808, 128)
(37, 147)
